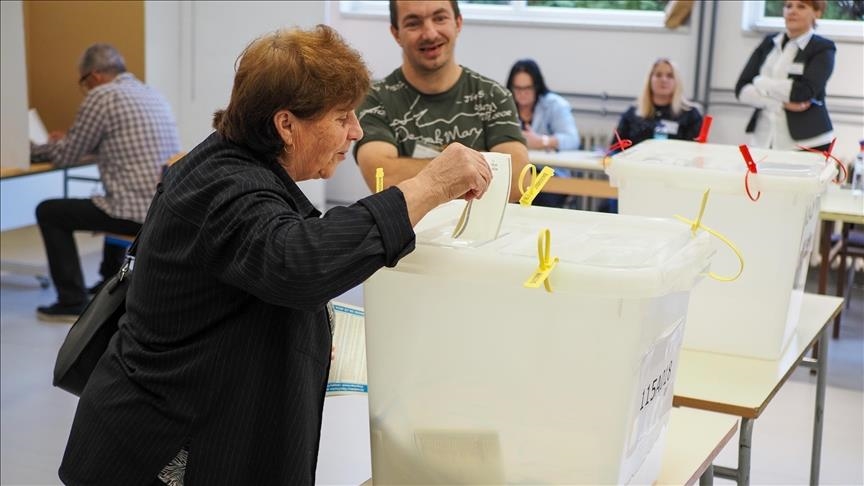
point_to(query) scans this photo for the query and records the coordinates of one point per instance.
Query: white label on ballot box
(653, 396)
(808, 242)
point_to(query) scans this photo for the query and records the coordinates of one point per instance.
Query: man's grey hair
(102, 58)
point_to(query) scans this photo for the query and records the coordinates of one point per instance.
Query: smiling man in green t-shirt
(431, 101)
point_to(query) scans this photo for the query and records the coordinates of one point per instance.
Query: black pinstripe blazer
(818, 60)
(225, 345)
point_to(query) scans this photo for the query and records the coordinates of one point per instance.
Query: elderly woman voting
(218, 372)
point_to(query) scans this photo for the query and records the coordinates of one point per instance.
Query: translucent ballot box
(476, 379)
(755, 315)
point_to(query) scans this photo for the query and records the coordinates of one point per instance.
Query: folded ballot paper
(481, 218)
(348, 368)
(38, 133)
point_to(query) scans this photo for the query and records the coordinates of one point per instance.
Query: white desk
(588, 164)
(32, 261)
(838, 205)
(693, 440)
(36, 168)
(744, 386)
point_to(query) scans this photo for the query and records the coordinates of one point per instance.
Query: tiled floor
(36, 417)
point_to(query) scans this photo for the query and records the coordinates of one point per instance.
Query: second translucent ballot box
(774, 228)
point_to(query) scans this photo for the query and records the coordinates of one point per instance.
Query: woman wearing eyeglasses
(546, 119)
(785, 79)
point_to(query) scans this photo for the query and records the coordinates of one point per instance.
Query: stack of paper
(348, 369)
(37, 131)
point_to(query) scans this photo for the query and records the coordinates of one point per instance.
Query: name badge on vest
(668, 127)
(796, 68)
(424, 152)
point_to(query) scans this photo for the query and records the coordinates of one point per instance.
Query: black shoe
(58, 312)
(96, 288)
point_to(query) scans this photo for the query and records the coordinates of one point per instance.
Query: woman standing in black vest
(785, 81)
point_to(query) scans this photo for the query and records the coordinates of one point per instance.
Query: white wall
(732, 49)
(191, 50)
(573, 60)
(616, 60)
(14, 142)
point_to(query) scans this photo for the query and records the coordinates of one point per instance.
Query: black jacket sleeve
(754, 64)
(818, 60)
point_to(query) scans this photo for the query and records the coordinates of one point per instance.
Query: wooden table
(694, 438)
(35, 168)
(743, 387)
(589, 179)
(837, 205)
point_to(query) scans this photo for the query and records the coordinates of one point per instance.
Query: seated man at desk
(130, 130)
(431, 101)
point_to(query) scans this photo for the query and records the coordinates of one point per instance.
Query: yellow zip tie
(379, 179)
(547, 264)
(535, 185)
(697, 223)
(695, 226)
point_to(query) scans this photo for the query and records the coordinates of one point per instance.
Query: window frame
(753, 19)
(515, 14)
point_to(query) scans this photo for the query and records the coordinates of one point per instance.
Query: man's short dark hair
(394, 14)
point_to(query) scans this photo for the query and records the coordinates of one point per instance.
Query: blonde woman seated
(661, 111)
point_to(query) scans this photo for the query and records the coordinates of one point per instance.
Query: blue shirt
(552, 116)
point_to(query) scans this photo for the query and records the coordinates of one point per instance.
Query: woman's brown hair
(308, 72)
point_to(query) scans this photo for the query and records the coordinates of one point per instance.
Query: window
(644, 14)
(843, 20)
(836, 10)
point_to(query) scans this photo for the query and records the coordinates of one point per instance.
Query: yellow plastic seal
(535, 185)
(696, 224)
(546, 265)
(379, 179)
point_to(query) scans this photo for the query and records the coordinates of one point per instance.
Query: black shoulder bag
(89, 336)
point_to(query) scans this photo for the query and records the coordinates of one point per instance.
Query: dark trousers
(550, 200)
(58, 219)
(822, 148)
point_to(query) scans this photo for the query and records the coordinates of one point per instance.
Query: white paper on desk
(484, 221)
(37, 132)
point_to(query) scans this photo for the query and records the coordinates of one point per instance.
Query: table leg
(65, 182)
(745, 440)
(821, 378)
(824, 267)
(707, 477)
(841, 275)
(741, 474)
(824, 251)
